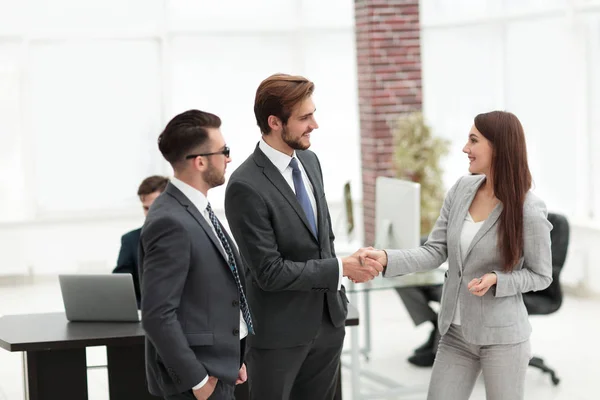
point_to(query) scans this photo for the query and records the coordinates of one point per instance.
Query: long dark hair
(511, 178)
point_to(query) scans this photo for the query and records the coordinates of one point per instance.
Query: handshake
(364, 265)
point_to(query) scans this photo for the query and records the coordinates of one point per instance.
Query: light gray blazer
(498, 317)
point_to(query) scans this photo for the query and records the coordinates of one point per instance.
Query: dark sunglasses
(225, 152)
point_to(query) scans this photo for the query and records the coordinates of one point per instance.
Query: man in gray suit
(276, 209)
(194, 308)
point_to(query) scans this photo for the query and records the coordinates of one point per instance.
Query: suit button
(236, 332)
(459, 273)
(235, 303)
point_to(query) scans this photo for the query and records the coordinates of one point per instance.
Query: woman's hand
(480, 286)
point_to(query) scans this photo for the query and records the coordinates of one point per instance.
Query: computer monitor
(397, 213)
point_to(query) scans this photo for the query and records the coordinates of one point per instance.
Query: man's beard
(213, 177)
(294, 143)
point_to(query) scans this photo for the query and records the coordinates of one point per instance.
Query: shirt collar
(197, 198)
(279, 159)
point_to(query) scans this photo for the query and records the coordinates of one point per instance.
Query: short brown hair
(277, 95)
(151, 184)
(185, 133)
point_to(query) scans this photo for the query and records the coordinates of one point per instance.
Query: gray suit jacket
(498, 317)
(292, 272)
(190, 302)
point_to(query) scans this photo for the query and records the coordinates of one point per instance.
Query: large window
(544, 91)
(462, 77)
(14, 191)
(86, 87)
(94, 108)
(594, 115)
(537, 59)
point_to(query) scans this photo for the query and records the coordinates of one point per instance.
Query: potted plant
(417, 155)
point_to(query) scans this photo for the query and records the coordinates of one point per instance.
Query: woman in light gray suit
(494, 233)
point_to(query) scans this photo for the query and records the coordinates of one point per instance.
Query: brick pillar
(389, 84)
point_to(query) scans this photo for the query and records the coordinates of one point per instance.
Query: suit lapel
(273, 175)
(195, 213)
(489, 222)
(208, 229)
(461, 215)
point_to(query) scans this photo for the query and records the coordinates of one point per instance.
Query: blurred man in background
(127, 263)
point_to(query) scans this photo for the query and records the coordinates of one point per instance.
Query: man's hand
(242, 376)
(480, 286)
(359, 268)
(378, 255)
(207, 390)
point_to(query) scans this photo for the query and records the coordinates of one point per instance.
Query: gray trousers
(458, 364)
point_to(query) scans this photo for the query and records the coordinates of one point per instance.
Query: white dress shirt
(282, 163)
(201, 202)
(469, 230)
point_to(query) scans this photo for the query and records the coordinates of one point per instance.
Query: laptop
(99, 297)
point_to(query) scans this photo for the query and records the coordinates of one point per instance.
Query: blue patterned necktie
(302, 196)
(231, 260)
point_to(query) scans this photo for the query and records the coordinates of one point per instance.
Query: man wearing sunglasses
(194, 308)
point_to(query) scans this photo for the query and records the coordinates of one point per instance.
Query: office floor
(568, 340)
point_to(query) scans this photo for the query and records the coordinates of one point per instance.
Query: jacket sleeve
(536, 273)
(429, 256)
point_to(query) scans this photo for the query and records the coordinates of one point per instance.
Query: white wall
(86, 87)
(538, 59)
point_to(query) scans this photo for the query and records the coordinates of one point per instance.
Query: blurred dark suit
(127, 263)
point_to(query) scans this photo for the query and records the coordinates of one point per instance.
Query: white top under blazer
(469, 230)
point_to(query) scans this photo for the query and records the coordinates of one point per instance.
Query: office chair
(549, 300)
